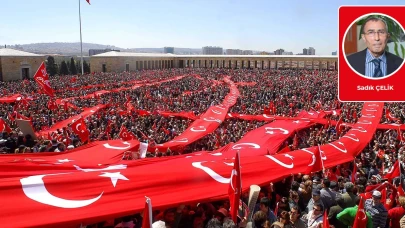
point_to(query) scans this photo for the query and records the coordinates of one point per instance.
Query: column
(327, 65)
(312, 64)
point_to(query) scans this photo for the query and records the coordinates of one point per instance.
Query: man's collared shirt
(370, 67)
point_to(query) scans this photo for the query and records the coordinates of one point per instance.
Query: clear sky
(254, 25)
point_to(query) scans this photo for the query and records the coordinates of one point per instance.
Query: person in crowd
(395, 214)
(315, 216)
(348, 215)
(348, 197)
(295, 218)
(376, 209)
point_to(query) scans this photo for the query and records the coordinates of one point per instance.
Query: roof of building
(258, 56)
(13, 52)
(131, 54)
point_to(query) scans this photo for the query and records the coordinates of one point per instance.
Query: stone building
(124, 61)
(18, 65)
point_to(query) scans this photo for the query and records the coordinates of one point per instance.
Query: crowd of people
(298, 201)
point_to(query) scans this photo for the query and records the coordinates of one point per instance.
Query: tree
(72, 69)
(64, 68)
(394, 30)
(51, 67)
(79, 67)
(86, 67)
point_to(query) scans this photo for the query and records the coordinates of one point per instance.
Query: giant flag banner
(76, 191)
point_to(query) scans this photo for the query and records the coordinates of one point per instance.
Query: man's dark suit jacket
(358, 62)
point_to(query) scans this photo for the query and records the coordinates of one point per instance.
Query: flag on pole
(235, 188)
(325, 221)
(360, 220)
(79, 128)
(147, 216)
(42, 79)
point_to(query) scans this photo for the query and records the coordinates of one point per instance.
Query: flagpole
(81, 43)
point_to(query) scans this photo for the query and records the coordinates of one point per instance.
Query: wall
(118, 64)
(11, 66)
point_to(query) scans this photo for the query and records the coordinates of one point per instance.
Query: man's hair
(326, 182)
(259, 218)
(295, 186)
(319, 205)
(265, 201)
(349, 186)
(295, 207)
(373, 18)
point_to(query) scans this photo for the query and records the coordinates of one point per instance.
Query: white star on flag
(114, 177)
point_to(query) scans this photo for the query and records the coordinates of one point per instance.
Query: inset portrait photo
(373, 46)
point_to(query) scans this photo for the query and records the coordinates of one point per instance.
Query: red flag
(389, 116)
(79, 127)
(42, 79)
(360, 221)
(400, 190)
(393, 172)
(88, 1)
(235, 188)
(52, 105)
(325, 222)
(316, 161)
(4, 126)
(147, 214)
(384, 197)
(125, 135)
(284, 150)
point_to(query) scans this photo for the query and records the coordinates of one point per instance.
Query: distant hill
(74, 48)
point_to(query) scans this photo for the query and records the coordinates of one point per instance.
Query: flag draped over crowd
(92, 183)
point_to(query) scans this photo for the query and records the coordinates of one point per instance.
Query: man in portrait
(374, 61)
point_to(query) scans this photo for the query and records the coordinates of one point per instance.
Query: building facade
(209, 50)
(279, 51)
(311, 51)
(119, 62)
(168, 50)
(18, 65)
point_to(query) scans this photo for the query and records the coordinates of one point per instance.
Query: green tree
(394, 30)
(79, 67)
(86, 67)
(64, 68)
(51, 66)
(72, 69)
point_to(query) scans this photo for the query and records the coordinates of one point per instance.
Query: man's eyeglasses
(317, 209)
(379, 32)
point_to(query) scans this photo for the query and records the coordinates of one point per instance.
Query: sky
(263, 25)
